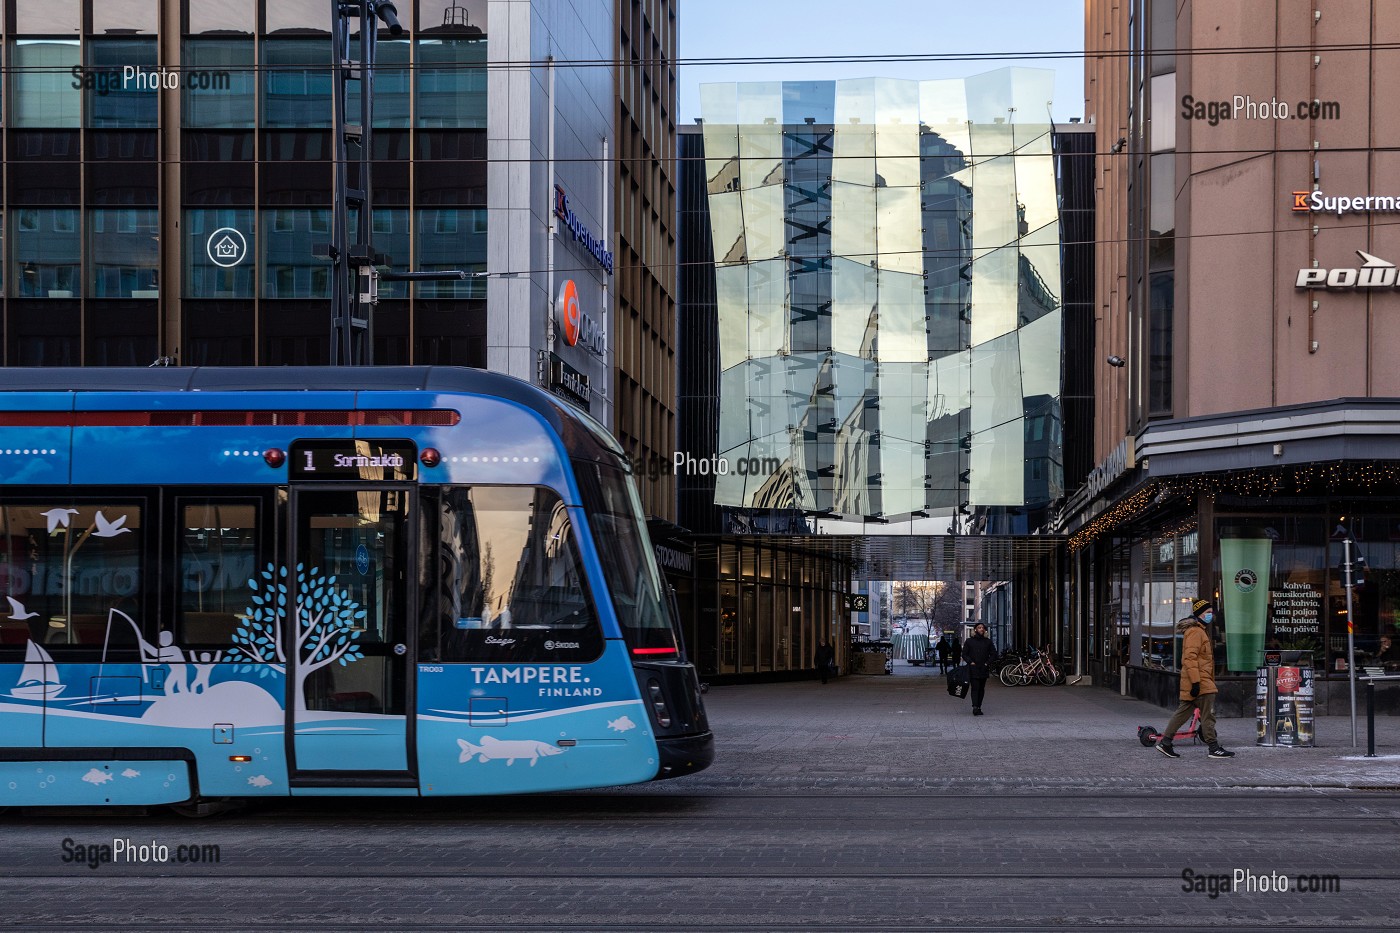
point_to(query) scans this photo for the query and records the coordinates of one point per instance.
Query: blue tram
(241, 583)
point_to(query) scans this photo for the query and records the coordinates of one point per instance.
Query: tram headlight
(658, 704)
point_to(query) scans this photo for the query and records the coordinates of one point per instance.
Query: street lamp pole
(1348, 580)
(354, 279)
(355, 274)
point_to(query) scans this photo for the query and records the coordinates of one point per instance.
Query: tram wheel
(202, 808)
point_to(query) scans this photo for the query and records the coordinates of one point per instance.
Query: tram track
(716, 863)
(682, 873)
(609, 926)
(645, 809)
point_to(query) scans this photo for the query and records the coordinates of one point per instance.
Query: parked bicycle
(1007, 658)
(1040, 666)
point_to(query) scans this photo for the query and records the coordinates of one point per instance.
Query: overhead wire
(706, 60)
(974, 159)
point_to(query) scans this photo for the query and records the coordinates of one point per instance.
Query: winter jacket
(978, 653)
(1197, 657)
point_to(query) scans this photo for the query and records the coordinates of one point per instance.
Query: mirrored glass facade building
(887, 288)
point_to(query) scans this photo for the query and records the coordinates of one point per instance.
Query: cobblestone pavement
(906, 730)
(872, 803)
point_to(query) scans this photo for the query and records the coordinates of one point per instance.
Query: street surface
(869, 803)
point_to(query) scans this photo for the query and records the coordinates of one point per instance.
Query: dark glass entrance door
(350, 633)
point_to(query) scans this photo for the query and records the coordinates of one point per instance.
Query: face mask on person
(1208, 618)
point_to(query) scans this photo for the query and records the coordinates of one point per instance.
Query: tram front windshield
(629, 566)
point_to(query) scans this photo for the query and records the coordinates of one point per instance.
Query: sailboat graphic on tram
(38, 678)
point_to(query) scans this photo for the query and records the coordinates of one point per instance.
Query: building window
(222, 266)
(47, 253)
(43, 88)
(465, 18)
(441, 248)
(298, 17)
(220, 87)
(48, 18)
(391, 238)
(451, 83)
(220, 16)
(124, 264)
(297, 83)
(1159, 363)
(290, 268)
(116, 97)
(392, 86)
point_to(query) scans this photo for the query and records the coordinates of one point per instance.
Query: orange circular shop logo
(569, 313)
(1289, 679)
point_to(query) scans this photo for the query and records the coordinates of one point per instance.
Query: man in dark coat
(957, 650)
(1197, 681)
(978, 653)
(943, 651)
(825, 660)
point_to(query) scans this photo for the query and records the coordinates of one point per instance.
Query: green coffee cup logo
(1246, 580)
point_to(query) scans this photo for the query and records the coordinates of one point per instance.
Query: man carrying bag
(958, 682)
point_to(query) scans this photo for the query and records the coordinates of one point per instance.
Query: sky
(766, 28)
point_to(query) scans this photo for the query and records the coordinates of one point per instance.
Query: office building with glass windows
(168, 180)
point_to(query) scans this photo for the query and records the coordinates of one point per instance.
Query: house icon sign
(226, 247)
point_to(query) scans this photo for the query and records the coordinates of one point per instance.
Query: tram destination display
(361, 460)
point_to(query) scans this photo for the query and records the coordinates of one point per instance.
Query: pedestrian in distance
(957, 650)
(825, 660)
(943, 652)
(1197, 681)
(979, 652)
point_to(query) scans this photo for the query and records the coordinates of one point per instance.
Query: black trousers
(978, 689)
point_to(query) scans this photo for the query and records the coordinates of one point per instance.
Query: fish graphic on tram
(242, 583)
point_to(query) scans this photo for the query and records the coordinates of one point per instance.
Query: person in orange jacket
(1197, 681)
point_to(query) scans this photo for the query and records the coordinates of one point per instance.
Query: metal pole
(1370, 719)
(341, 301)
(1351, 632)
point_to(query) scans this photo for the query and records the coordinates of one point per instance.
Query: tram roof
(909, 557)
(562, 417)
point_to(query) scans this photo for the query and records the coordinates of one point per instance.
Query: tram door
(351, 683)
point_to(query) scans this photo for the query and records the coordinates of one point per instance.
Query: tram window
(218, 556)
(624, 549)
(510, 580)
(70, 573)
